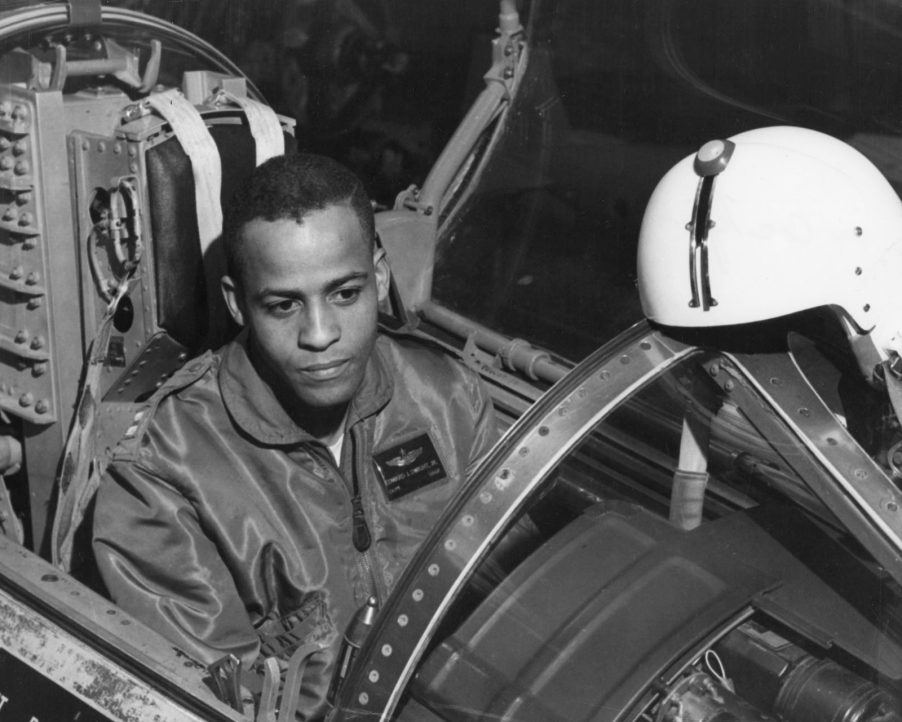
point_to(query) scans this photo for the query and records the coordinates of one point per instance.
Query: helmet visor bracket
(701, 223)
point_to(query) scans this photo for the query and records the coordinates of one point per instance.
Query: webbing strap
(198, 144)
(691, 476)
(82, 467)
(264, 126)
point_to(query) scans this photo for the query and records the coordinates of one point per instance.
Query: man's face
(309, 294)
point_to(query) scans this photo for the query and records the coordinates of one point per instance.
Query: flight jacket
(223, 525)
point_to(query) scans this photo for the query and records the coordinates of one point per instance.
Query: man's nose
(321, 328)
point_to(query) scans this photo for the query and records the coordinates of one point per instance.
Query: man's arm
(160, 567)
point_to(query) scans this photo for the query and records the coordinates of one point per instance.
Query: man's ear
(382, 271)
(230, 293)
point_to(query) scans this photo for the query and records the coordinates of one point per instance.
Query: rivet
(403, 620)
(16, 273)
(364, 698)
(625, 360)
(524, 451)
(50, 578)
(467, 520)
(117, 148)
(21, 335)
(101, 146)
(386, 650)
(892, 506)
(33, 278)
(373, 676)
(485, 497)
(604, 374)
(39, 369)
(26, 400)
(25, 219)
(33, 303)
(775, 381)
(860, 474)
(417, 595)
(23, 167)
(729, 385)
(6, 163)
(805, 411)
(450, 545)
(867, 307)
(42, 406)
(543, 431)
(37, 343)
(858, 230)
(645, 345)
(858, 271)
(19, 147)
(833, 442)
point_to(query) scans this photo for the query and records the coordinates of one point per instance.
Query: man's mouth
(324, 371)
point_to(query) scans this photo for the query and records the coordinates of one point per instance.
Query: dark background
(379, 84)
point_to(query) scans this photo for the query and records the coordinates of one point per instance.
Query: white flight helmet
(771, 222)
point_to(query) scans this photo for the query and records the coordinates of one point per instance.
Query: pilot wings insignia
(404, 458)
(409, 466)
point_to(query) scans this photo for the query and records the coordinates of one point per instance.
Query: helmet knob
(713, 157)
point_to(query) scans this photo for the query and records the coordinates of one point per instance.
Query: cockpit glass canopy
(689, 510)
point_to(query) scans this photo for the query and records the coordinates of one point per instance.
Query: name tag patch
(409, 466)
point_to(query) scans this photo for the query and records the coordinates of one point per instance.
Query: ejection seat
(121, 137)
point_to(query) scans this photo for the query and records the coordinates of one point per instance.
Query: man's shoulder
(418, 362)
(410, 349)
(194, 382)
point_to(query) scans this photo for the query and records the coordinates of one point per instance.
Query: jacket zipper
(360, 535)
(358, 456)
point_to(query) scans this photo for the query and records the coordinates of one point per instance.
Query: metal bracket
(506, 51)
(84, 13)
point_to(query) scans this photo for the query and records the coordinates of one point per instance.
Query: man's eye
(282, 307)
(346, 295)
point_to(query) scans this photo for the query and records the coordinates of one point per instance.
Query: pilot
(786, 224)
(278, 483)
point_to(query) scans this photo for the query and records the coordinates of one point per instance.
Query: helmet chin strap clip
(711, 159)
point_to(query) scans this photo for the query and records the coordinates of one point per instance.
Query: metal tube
(460, 145)
(517, 354)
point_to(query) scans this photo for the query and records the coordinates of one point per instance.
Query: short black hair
(291, 187)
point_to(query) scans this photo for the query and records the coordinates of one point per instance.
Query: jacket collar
(256, 410)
